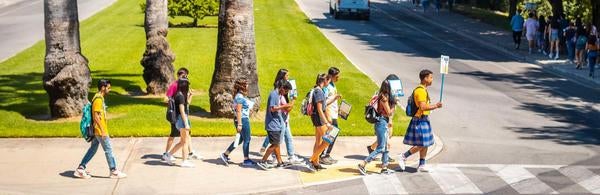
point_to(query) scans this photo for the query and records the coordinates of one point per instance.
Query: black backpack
(371, 114)
(411, 105)
(171, 111)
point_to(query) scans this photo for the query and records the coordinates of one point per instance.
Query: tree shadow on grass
(25, 94)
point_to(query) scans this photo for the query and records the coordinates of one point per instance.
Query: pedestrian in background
(531, 27)
(517, 27)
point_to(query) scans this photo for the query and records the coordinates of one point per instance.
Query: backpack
(371, 114)
(171, 111)
(411, 105)
(86, 125)
(307, 107)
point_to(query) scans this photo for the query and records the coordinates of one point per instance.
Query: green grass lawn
(495, 18)
(114, 41)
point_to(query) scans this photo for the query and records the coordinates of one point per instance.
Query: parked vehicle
(360, 8)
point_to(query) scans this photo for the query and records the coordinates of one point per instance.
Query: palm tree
(236, 56)
(158, 57)
(66, 72)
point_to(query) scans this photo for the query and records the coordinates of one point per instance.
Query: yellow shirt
(421, 95)
(98, 106)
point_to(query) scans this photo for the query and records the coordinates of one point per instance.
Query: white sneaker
(550, 55)
(81, 173)
(402, 162)
(195, 156)
(423, 168)
(117, 174)
(187, 164)
(295, 160)
(556, 57)
(168, 158)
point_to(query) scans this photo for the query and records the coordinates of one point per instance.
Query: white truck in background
(360, 8)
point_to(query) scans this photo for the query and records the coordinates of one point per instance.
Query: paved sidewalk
(501, 40)
(45, 166)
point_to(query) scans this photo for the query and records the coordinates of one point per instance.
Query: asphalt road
(497, 110)
(22, 22)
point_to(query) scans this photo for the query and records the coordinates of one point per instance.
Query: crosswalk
(488, 179)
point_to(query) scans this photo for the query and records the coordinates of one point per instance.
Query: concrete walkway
(46, 165)
(500, 40)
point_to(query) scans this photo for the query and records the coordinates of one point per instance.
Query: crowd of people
(323, 98)
(554, 34)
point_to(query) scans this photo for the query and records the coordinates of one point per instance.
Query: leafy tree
(195, 9)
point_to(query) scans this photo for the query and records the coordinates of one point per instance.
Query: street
(497, 111)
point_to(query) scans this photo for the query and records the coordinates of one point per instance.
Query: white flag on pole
(444, 62)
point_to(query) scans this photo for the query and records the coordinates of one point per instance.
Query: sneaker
(387, 171)
(362, 169)
(263, 165)
(195, 156)
(187, 164)
(325, 161)
(391, 160)
(544, 52)
(333, 161)
(248, 163)
(310, 167)
(402, 162)
(168, 158)
(283, 165)
(319, 167)
(225, 159)
(556, 57)
(116, 174)
(295, 160)
(81, 173)
(262, 151)
(369, 149)
(550, 55)
(423, 168)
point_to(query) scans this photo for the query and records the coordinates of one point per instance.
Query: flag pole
(442, 89)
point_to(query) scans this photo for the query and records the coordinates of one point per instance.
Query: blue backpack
(411, 105)
(86, 126)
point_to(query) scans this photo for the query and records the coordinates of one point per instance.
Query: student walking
(541, 35)
(101, 136)
(419, 133)
(385, 107)
(592, 49)
(553, 33)
(332, 96)
(374, 145)
(517, 27)
(242, 106)
(570, 39)
(287, 136)
(580, 47)
(182, 101)
(319, 120)
(531, 26)
(182, 73)
(275, 124)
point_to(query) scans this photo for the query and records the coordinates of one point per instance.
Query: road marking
(384, 184)
(584, 177)
(453, 181)
(521, 180)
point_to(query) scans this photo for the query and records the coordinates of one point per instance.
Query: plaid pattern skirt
(419, 132)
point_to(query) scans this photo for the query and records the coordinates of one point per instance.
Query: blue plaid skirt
(419, 132)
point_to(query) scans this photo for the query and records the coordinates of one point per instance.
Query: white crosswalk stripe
(522, 180)
(584, 177)
(384, 184)
(451, 180)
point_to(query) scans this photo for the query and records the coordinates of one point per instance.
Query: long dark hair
(183, 87)
(241, 86)
(320, 78)
(386, 90)
(280, 76)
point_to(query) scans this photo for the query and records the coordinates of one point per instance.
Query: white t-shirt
(531, 25)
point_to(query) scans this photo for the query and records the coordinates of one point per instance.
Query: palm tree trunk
(236, 56)
(66, 72)
(158, 57)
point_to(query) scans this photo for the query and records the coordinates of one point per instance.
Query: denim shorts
(180, 125)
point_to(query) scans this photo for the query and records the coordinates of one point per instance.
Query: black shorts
(174, 131)
(274, 137)
(316, 120)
